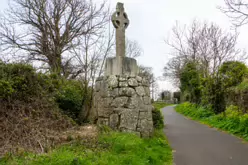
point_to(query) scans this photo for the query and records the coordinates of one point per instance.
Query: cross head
(120, 22)
(119, 18)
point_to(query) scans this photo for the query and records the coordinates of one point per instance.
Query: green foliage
(157, 116)
(232, 111)
(190, 82)
(6, 89)
(232, 73)
(193, 111)
(112, 148)
(232, 120)
(69, 98)
(242, 87)
(212, 89)
(21, 82)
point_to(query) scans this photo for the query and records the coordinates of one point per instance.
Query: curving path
(197, 144)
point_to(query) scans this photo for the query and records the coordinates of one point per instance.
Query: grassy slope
(112, 148)
(232, 121)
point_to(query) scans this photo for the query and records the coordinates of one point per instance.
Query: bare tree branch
(133, 49)
(237, 11)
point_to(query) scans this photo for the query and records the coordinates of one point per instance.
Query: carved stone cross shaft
(120, 22)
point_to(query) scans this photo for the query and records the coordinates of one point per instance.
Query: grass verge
(160, 105)
(111, 148)
(232, 120)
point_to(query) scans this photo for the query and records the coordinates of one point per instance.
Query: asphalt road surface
(196, 144)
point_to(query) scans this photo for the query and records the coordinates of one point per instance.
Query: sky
(151, 22)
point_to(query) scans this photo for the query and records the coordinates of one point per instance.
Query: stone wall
(123, 103)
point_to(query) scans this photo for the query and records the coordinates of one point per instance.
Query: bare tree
(204, 43)
(133, 49)
(237, 11)
(147, 73)
(91, 56)
(47, 30)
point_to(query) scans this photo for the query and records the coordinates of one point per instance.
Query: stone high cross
(120, 22)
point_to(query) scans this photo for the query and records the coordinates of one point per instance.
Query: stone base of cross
(121, 66)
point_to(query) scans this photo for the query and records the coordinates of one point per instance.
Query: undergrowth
(157, 116)
(112, 148)
(31, 118)
(232, 120)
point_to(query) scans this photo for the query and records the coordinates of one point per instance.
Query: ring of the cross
(120, 21)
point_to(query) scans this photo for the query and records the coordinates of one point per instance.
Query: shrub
(6, 89)
(21, 82)
(232, 111)
(69, 98)
(157, 117)
(232, 73)
(27, 103)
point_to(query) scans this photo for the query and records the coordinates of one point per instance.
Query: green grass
(232, 120)
(160, 105)
(113, 148)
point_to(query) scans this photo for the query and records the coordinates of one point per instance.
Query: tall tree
(91, 55)
(47, 30)
(147, 73)
(190, 82)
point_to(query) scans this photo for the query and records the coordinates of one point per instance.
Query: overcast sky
(151, 22)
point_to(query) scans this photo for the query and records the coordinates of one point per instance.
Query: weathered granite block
(147, 100)
(129, 119)
(112, 81)
(119, 102)
(140, 90)
(114, 121)
(123, 84)
(139, 79)
(133, 102)
(126, 91)
(132, 82)
(105, 112)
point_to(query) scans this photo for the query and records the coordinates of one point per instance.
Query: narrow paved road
(197, 144)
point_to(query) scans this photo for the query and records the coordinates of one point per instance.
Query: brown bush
(30, 126)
